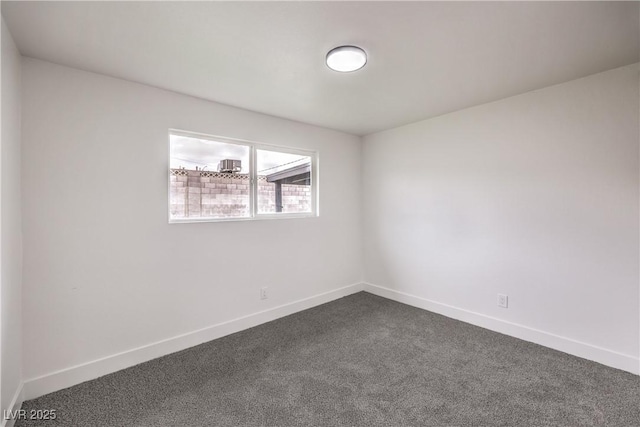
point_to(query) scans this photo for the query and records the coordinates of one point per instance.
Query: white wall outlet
(503, 301)
(263, 293)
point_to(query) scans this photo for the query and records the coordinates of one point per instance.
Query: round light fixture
(346, 58)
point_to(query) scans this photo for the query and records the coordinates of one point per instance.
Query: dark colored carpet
(357, 361)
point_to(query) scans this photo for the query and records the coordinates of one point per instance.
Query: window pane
(284, 182)
(208, 179)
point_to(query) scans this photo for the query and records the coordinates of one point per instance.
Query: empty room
(320, 213)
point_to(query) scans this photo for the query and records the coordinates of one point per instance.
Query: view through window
(213, 178)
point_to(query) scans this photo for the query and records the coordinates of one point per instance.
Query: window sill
(256, 218)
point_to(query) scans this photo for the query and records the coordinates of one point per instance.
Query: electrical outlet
(263, 293)
(503, 301)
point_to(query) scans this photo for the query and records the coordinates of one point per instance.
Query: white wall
(104, 271)
(534, 196)
(10, 226)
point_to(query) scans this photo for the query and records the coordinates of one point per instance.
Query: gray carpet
(358, 361)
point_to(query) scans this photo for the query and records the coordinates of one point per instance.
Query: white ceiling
(425, 58)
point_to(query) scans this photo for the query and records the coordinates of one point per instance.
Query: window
(214, 178)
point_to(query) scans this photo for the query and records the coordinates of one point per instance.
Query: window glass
(284, 182)
(215, 178)
(208, 179)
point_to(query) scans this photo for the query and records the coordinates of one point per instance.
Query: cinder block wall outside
(196, 194)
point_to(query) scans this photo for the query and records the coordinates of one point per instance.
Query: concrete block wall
(198, 194)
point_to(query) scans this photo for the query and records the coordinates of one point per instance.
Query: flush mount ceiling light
(346, 58)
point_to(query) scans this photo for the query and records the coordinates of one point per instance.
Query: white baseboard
(14, 406)
(607, 357)
(68, 377)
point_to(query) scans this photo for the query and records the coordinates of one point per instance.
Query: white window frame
(253, 179)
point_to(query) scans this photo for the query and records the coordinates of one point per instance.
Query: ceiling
(425, 58)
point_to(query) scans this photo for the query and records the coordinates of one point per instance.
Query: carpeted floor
(358, 361)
